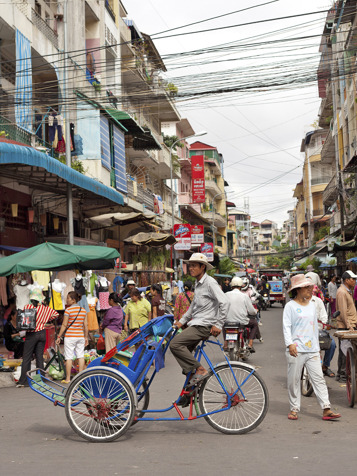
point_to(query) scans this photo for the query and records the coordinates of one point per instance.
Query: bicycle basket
(162, 324)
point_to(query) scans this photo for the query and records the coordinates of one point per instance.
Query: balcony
(212, 187)
(140, 195)
(328, 150)
(44, 28)
(185, 198)
(330, 193)
(218, 220)
(317, 212)
(163, 171)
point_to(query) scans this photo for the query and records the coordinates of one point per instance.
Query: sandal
(197, 378)
(292, 416)
(328, 372)
(65, 381)
(331, 416)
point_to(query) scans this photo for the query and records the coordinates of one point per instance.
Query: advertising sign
(198, 178)
(197, 234)
(182, 233)
(207, 250)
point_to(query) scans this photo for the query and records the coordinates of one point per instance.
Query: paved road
(36, 439)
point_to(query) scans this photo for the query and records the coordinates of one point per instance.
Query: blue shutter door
(104, 142)
(120, 164)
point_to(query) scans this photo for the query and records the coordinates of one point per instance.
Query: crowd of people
(202, 309)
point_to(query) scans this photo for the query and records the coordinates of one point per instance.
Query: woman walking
(301, 336)
(76, 338)
(112, 323)
(158, 303)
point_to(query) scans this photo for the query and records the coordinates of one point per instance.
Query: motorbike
(265, 301)
(237, 337)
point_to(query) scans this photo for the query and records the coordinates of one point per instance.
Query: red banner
(198, 178)
(197, 234)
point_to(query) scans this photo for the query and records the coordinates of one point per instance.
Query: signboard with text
(198, 178)
(207, 250)
(182, 233)
(197, 234)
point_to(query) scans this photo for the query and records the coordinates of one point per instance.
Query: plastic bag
(55, 372)
(101, 343)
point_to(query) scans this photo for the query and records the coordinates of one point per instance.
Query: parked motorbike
(237, 337)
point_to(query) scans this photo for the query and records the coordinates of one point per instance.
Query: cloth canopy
(122, 218)
(151, 239)
(56, 257)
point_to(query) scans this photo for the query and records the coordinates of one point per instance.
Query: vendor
(13, 339)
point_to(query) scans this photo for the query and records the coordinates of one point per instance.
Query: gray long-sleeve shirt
(241, 307)
(209, 306)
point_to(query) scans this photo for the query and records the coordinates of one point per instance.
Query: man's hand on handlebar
(215, 331)
(178, 324)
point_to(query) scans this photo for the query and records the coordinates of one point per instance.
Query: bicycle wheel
(305, 383)
(100, 405)
(246, 412)
(350, 377)
(143, 401)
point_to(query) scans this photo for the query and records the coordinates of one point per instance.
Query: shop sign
(198, 178)
(197, 234)
(207, 250)
(182, 233)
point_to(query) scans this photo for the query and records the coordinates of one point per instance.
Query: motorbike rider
(241, 308)
(264, 287)
(254, 296)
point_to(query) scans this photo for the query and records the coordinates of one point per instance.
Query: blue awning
(12, 248)
(12, 154)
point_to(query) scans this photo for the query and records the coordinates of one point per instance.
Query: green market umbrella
(56, 257)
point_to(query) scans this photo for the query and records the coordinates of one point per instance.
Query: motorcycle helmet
(237, 282)
(245, 284)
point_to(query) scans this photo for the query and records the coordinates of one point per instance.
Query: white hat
(350, 274)
(199, 258)
(237, 282)
(131, 281)
(300, 281)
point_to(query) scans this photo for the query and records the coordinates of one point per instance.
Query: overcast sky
(259, 130)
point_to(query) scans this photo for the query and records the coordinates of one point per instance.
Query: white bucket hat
(199, 258)
(131, 281)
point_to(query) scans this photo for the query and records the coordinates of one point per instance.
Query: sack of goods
(26, 320)
(324, 340)
(55, 372)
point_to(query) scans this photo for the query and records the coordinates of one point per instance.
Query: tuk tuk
(275, 279)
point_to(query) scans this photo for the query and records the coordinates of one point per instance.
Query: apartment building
(338, 109)
(117, 102)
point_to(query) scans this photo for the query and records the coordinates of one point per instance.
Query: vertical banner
(182, 233)
(207, 250)
(23, 82)
(198, 178)
(197, 234)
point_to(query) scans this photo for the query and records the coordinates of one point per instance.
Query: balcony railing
(14, 132)
(43, 26)
(142, 196)
(320, 180)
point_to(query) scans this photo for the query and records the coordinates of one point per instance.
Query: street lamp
(172, 188)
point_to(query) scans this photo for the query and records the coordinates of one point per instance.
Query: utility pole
(67, 129)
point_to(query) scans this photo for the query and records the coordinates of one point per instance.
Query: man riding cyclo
(205, 317)
(242, 312)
